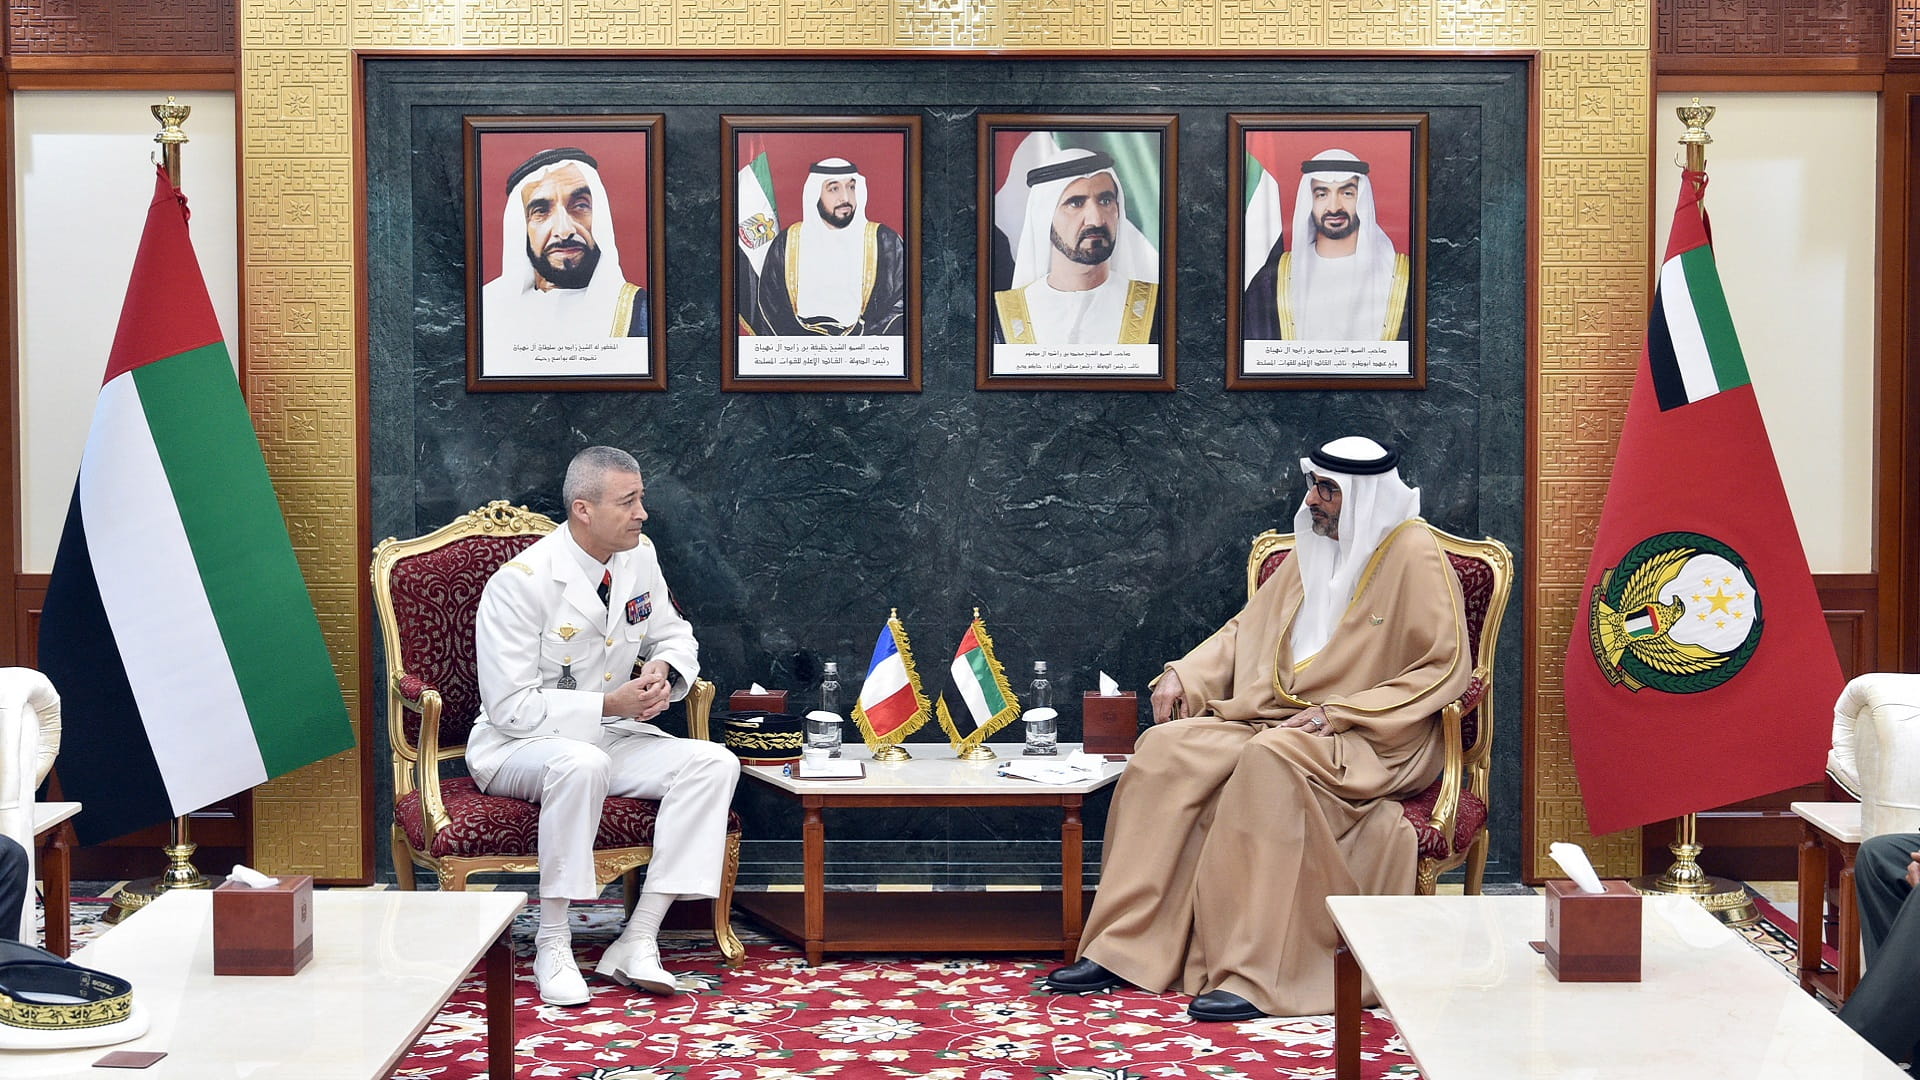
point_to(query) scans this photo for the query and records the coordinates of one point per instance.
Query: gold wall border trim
(303, 171)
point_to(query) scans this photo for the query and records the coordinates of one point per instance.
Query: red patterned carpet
(957, 1018)
(775, 1018)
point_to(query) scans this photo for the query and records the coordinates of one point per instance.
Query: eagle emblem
(757, 230)
(1680, 613)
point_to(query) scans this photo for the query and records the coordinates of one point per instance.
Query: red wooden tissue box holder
(748, 701)
(1593, 937)
(263, 931)
(1109, 722)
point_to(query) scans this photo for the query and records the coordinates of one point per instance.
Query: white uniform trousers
(570, 779)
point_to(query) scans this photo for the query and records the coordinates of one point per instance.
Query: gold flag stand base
(977, 752)
(180, 874)
(1725, 899)
(892, 752)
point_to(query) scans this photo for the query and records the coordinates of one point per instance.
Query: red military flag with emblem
(1700, 670)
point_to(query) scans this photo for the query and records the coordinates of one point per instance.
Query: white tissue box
(267, 931)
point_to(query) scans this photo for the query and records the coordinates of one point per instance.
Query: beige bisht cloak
(1228, 832)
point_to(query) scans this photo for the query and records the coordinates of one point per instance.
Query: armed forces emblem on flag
(1679, 613)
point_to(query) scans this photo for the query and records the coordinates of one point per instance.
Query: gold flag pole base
(1725, 899)
(180, 874)
(977, 752)
(892, 752)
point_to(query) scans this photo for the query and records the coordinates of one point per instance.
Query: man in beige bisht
(1280, 741)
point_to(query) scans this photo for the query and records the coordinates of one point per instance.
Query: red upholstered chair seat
(495, 825)
(1419, 812)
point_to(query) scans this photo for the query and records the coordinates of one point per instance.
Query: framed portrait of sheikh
(565, 244)
(1076, 252)
(820, 260)
(1326, 252)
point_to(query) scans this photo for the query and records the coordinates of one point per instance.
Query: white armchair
(1876, 750)
(29, 739)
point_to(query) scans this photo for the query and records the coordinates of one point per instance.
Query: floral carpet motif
(952, 1018)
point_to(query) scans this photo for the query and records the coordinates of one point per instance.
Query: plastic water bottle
(829, 703)
(1043, 727)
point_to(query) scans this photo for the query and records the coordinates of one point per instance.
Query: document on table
(829, 770)
(1075, 769)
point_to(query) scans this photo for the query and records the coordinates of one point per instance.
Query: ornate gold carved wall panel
(309, 24)
(296, 68)
(1621, 24)
(1487, 24)
(1381, 24)
(1246, 23)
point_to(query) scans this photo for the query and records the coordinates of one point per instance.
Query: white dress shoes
(557, 976)
(637, 963)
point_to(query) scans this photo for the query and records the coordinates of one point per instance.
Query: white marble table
(383, 965)
(922, 922)
(1828, 829)
(1471, 998)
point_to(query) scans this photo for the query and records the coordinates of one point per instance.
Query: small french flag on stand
(891, 705)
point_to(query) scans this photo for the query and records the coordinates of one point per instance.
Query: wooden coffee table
(865, 922)
(1471, 998)
(384, 963)
(54, 842)
(1829, 829)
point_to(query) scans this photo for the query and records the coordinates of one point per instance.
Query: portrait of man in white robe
(562, 303)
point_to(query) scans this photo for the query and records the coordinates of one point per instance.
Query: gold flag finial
(976, 614)
(1696, 116)
(893, 614)
(171, 115)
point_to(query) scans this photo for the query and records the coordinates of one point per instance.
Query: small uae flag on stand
(891, 705)
(977, 679)
(177, 626)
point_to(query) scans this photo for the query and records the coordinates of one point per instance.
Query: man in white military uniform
(558, 633)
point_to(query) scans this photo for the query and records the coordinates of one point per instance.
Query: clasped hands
(643, 697)
(1170, 703)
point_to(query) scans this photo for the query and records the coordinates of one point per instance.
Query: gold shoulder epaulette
(520, 566)
(647, 540)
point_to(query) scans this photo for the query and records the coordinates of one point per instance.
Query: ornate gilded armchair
(1450, 816)
(427, 591)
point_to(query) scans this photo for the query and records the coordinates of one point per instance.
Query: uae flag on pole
(1262, 220)
(977, 679)
(755, 227)
(1700, 670)
(177, 627)
(891, 705)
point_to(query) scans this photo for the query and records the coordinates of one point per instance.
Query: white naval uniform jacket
(539, 616)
